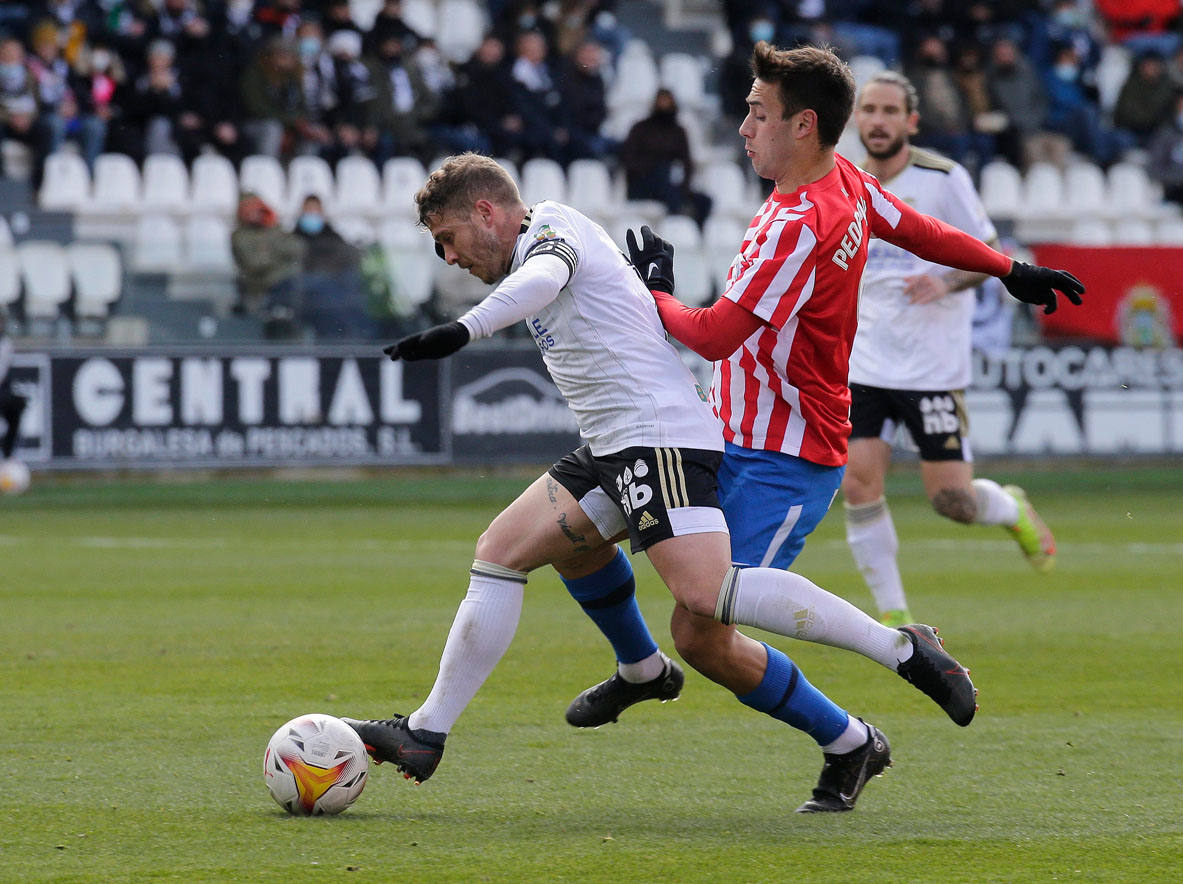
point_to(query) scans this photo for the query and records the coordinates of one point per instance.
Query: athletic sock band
(489, 569)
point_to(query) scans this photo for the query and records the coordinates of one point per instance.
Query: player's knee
(492, 547)
(700, 642)
(958, 504)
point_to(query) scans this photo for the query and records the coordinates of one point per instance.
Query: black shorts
(656, 493)
(936, 419)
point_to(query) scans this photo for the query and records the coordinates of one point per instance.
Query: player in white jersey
(647, 472)
(910, 363)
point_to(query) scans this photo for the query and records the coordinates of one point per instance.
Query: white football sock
(480, 634)
(854, 737)
(995, 506)
(871, 535)
(791, 605)
(643, 670)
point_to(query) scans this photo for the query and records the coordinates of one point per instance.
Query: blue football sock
(609, 598)
(787, 696)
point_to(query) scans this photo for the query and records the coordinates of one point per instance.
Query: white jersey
(903, 346)
(604, 345)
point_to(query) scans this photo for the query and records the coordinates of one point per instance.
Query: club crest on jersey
(633, 494)
(854, 236)
(545, 232)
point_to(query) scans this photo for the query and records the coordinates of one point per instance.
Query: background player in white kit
(910, 363)
(648, 470)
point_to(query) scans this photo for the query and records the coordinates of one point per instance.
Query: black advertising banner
(504, 407)
(228, 407)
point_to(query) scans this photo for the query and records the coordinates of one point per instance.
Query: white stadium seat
(1002, 190)
(1043, 190)
(726, 184)
(10, 277)
(467, 23)
(421, 17)
(401, 179)
(359, 187)
(543, 179)
(1091, 232)
(411, 260)
(589, 187)
(636, 79)
(165, 184)
(1129, 191)
(157, 245)
(116, 186)
(692, 269)
(213, 185)
(1112, 71)
(46, 275)
(6, 240)
(722, 236)
(1133, 232)
(682, 74)
(363, 12)
(97, 272)
(864, 67)
(309, 175)
(65, 184)
(207, 244)
(263, 175)
(1084, 190)
(1169, 232)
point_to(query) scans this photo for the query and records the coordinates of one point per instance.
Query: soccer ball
(14, 477)
(315, 764)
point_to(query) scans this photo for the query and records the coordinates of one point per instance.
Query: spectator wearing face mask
(333, 304)
(657, 163)
(404, 107)
(1073, 110)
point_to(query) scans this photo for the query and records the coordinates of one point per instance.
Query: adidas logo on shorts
(646, 521)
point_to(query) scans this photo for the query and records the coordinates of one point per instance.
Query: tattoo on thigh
(579, 541)
(955, 504)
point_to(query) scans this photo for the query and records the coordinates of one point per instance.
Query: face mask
(309, 47)
(762, 30)
(11, 73)
(311, 224)
(1066, 72)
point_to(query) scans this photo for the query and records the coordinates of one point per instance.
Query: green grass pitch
(154, 635)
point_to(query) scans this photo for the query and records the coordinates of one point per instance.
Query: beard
(893, 147)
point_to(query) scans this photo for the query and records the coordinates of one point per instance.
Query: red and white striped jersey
(799, 270)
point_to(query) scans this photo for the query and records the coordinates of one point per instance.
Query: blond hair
(460, 182)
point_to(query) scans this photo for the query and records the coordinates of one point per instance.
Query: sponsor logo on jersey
(545, 232)
(854, 236)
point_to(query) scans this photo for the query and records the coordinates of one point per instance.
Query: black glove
(653, 258)
(434, 343)
(1038, 285)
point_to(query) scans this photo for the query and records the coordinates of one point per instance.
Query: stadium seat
(682, 73)
(694, 281)
(65, 185)
(1002, 190)
(1043, 190)
(359, 187)
(864, 67)
(543, 179)
(363, 12)
(1091, 232)
(157, 245)
(97, 272)
(722, 236)
(1084, 190)
(1169, 232)
(467, 23)
(1129, 191)
(10, 277)
(1133, 232)
(1112, 71)
(636, 79)
(46, 276)
(263, 175)
(589, 187)
(411, 262)
(421, 17)
(401, 179)
(726, 184)
(6, 240)
(116, 186)
(355, 229)
(207, 244)
(213, 185)
(309, 175)
(166, 184)
(512, 168)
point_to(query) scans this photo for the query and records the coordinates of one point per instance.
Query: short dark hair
(809, 77)
(895, 78)
(460, 182)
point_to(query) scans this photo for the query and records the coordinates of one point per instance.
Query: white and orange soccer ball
(315, 764)
(14, 477)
